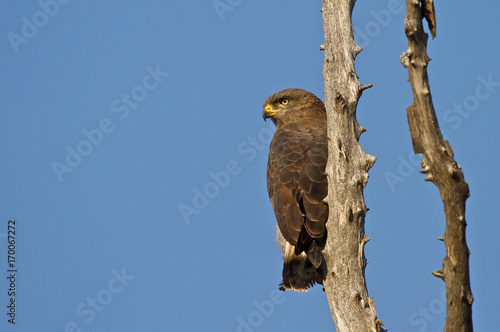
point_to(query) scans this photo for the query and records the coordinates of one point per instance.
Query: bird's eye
(284, 101)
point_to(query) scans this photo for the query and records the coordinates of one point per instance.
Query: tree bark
(347, 170)
(441, 169)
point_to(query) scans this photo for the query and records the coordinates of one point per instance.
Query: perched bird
(297, 184)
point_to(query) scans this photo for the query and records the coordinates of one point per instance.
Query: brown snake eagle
(297, 184)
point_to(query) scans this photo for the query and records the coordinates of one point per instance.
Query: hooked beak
(268, 112)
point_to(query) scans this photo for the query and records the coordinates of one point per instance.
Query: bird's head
(291, 103)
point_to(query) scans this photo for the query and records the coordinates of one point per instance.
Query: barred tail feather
(299, 274)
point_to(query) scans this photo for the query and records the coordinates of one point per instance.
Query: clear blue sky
(116, 116)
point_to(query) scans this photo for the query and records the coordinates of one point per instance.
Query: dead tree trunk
(347, 169)
(440, 167)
